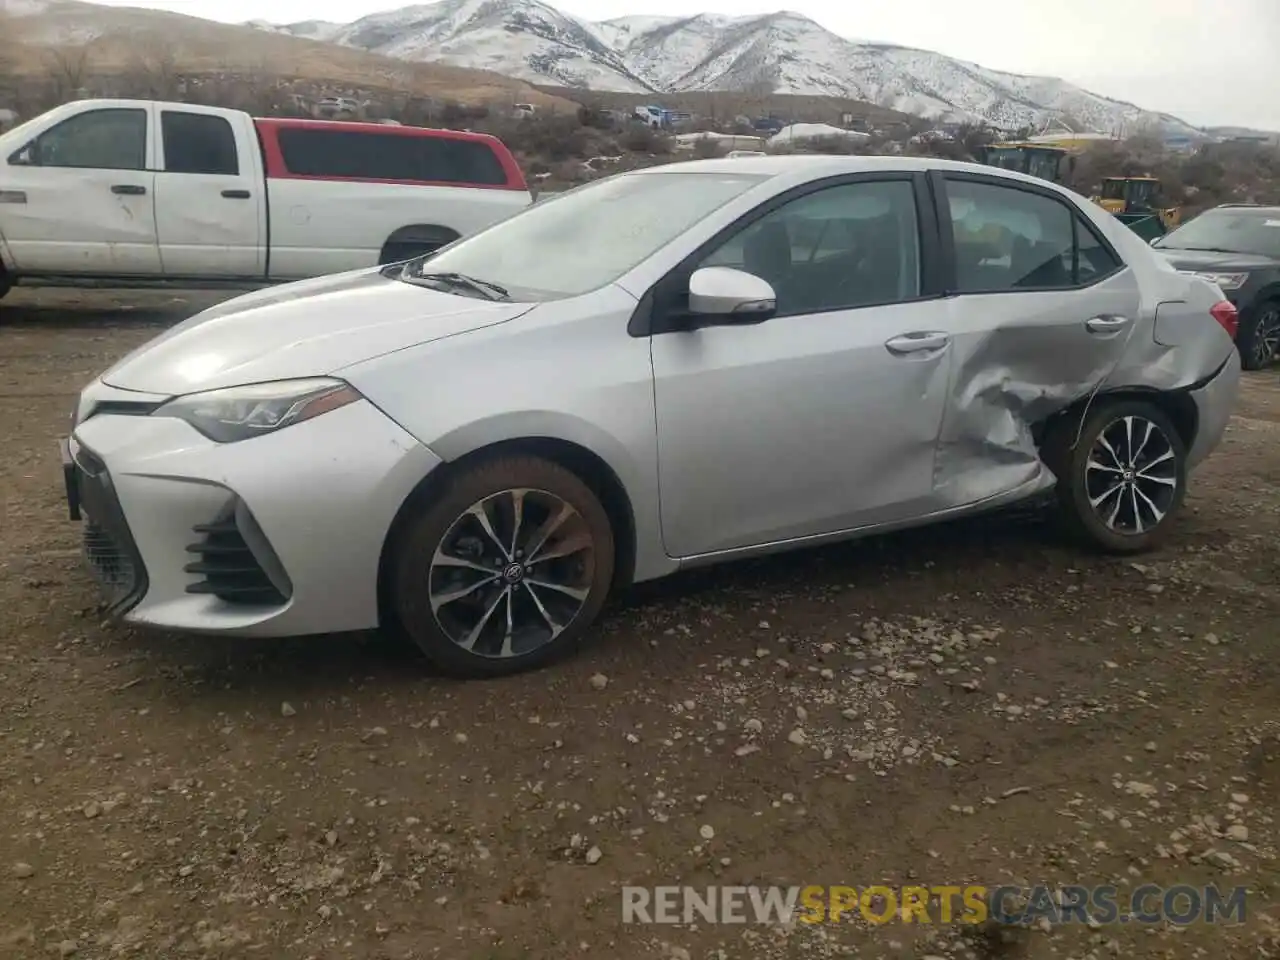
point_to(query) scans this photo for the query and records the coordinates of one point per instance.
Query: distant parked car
(1237, 246)
(140, 191)
(663, 369)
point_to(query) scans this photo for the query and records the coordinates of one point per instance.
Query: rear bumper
(1215, 401)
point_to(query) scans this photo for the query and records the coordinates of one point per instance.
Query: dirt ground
(974, 704)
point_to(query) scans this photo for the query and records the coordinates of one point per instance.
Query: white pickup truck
(137, 192)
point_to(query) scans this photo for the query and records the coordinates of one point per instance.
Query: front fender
(566, 371)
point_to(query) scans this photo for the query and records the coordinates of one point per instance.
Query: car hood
(1213, 260)
(305, 329)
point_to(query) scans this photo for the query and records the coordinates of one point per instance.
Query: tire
(399, 252)
(441, 582)
(1258, 339)
(1158, 487)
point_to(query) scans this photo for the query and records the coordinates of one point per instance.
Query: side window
(198, 143)
(385, 156)
(461, 161)
(1093, 260)
(854, 245)
(110, 139)
(1009, 239)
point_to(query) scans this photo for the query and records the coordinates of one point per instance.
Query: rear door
(210, 197)
(79, 199)
(1042, 311)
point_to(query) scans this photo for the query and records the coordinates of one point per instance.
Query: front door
(211, 202)
(826, 416)
(79, 198)
(1042, 312)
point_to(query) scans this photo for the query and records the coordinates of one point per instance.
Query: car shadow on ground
(85, 316)
(61, 307)
(325, 666)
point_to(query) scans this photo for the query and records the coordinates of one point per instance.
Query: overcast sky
(1207, 61)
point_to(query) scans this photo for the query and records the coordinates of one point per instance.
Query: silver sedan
(659, 370)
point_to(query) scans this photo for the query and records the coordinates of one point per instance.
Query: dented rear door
(1043, 309)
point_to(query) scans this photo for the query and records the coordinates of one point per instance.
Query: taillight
(1224, 311)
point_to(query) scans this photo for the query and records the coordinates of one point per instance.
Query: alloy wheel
(511, 573)
(1266, 342)
(1131, 475)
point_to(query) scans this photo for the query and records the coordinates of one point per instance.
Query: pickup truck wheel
(6, 284)
(505, 571)
(399, 252)
(1120, 486)
(415, 240)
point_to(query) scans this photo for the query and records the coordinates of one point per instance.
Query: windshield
(1231, 231)
(1006, 158)
(1045, 164)
(589, 237)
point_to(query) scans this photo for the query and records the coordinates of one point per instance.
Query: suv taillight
(1224, 311)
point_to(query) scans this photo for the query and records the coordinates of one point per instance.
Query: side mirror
(26, 157)
(731, 296)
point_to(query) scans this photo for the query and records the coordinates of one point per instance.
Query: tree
(153, 68)
(68, 68)
(972, 137)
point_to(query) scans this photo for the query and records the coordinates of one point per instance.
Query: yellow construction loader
(1033, 159)
(1135, 202)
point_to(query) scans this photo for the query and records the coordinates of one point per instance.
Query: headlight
(238, 413)
(1225, 281)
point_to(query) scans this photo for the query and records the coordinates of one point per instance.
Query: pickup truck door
(210, 193)
(78, 197)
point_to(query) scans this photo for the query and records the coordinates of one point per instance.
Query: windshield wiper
(1206, 250)
(488, 290)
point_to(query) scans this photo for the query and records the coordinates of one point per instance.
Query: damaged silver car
(662, 369)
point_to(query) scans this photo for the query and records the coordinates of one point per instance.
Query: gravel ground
(972, 704)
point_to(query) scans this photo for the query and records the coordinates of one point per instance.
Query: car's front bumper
(274, 536)
(1215, 400)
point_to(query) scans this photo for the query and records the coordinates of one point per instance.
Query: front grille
(110, 561)
(229, 568)
(108, 546)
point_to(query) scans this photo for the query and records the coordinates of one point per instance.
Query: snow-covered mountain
(783, 53)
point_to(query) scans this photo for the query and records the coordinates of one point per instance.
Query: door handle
(129, 189)
(909, 343)
(236, 194)
(1106, 324)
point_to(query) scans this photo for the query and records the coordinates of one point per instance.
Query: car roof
(818, 166)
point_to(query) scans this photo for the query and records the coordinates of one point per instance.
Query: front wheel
(506, 571)
(1122, 483)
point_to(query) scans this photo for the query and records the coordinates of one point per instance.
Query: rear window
(387, 156)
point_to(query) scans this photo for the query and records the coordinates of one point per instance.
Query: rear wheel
(1259, 336)
(399, 252)
(1122, 483)
(506, 571)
